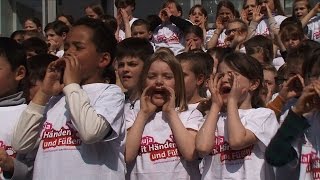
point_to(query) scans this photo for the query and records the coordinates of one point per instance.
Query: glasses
(229, 31)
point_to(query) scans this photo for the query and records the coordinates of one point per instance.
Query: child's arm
(239, 136)
(125, 19)
(134, 133)
(280, 151)
(205, 139)
(256, 19)
(312, 13)
(184, 138)
(26, 134)
(214, 39)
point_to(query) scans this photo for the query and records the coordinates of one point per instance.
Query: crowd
(163, 98)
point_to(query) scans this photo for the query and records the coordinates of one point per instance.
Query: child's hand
(219, 25)
(308, 99)
(170, 104)
(214, 88)
(290, 89)
(316, 9)
(146, 106)
(236, 90)
(53, 45)
(256, 14)
(244, 16)
(125, 16)
(72, 72)
(51, 84)
(204, 105)
(6, 162)
(164, 16)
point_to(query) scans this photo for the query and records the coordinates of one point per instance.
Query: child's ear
(150, 35)
(105, 60)
(64, 35)
(200, 79)
(20, 73)
(254, 84)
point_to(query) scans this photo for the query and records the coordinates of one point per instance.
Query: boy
(141, 29)
(12, 103)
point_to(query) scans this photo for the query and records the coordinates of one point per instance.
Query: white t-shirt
(9, 117)
(63, 155)
(122, 34)
(263, 27)
(310, 153)
(170, 36)
(221, 38)
(314, 29)
(247, 163)
(159, 157)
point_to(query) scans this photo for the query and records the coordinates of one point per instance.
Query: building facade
(14, 12)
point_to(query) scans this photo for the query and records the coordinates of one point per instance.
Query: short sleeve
(263, 123)
(129, 115)
(192, 120)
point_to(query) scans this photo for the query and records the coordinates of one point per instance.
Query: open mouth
(126, 77)
(250, 13)
(225, 90)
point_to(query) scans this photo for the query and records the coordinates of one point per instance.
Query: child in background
(33, 23)
(194, 38)
(217, 53)
(35, 46)
(269, 75)
(124, 18)
(198, 16)
(94, 11)
(196, 68)
(12, 103)
(37, 67)
(56, 34)
(79, 122)
(67, 19)
(141, 28)
(237, 130)
(261, 48)
(161, 136)
(169, 34)
(312, 20)
(132, 53)
(18, 36)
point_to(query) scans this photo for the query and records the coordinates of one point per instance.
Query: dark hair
(125, 3)
(228, 4)
(96, 8)
(141, 22)
(219, 52)
(110, 21)
(58, 27)
(278, 7)
(167, 2)
(37, 66)
(68, 17)
(311, 62)
(110, 75)
(154, 21)
(134, 47)
(294, 4)
(35, 44)
(245, 3)
(35, 20)
(202, 9)
(291, 31)
(249, 68)
(260, 43)
(13, 52)
(16, 33)
(34, 33)
(195, 30)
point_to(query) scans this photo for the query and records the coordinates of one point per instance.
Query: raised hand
(236, 90)
(124, 14)
(146, 106)
(256, 14)
(214, 88)
(244, 16)
(219, 25)
(170, 101)
(292, 88)
(72, 72)
(308, 99)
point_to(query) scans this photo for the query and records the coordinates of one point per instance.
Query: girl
(194, 38)
(198, 16)
(225, 12)
(313, 23)
(303, 118)
(67, 19)
(94, 11)
(236, 132)
(77, 126)
(261, 48)
(33, 23)
(161, 136)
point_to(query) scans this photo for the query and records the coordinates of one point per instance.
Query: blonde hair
(173, 63)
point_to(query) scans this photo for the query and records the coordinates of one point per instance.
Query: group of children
(193, 103)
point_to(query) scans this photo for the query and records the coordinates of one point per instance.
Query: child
(12, 103)
(37, 67)
(33, 23)
(198, 15)
(296, 144)
(124, 17)
(35, 46)
(141, 29)
(312, 21)
(67, 19)
(56, 33)
(269, 75)
(194, 38)
(160, 137)
(18, 36)
(196, 68)
(79, 122)
(261, 48)
(94, 11)
(236, 132)
(131, 55)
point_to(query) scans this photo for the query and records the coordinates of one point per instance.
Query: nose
(159, 81)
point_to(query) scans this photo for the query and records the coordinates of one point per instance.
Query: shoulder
(256, 114)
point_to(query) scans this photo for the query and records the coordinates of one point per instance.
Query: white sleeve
(194, 120)
(27, 131)
(130, 116)
(263, 123)
(94, 122)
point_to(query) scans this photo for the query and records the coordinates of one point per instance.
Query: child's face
(8, 78)
(291, 42)
(225, 14)
(249, 7)
(191, 80)
(197, 17)
(227, 81)
(159, 75)
(197, 40)
(173, 9)
(90, 13)
(19, 38)
(269, 80)
(54, 39)
(129, 70)
(300, 9)
(29, 25)
(141, 32)
(79, 42)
